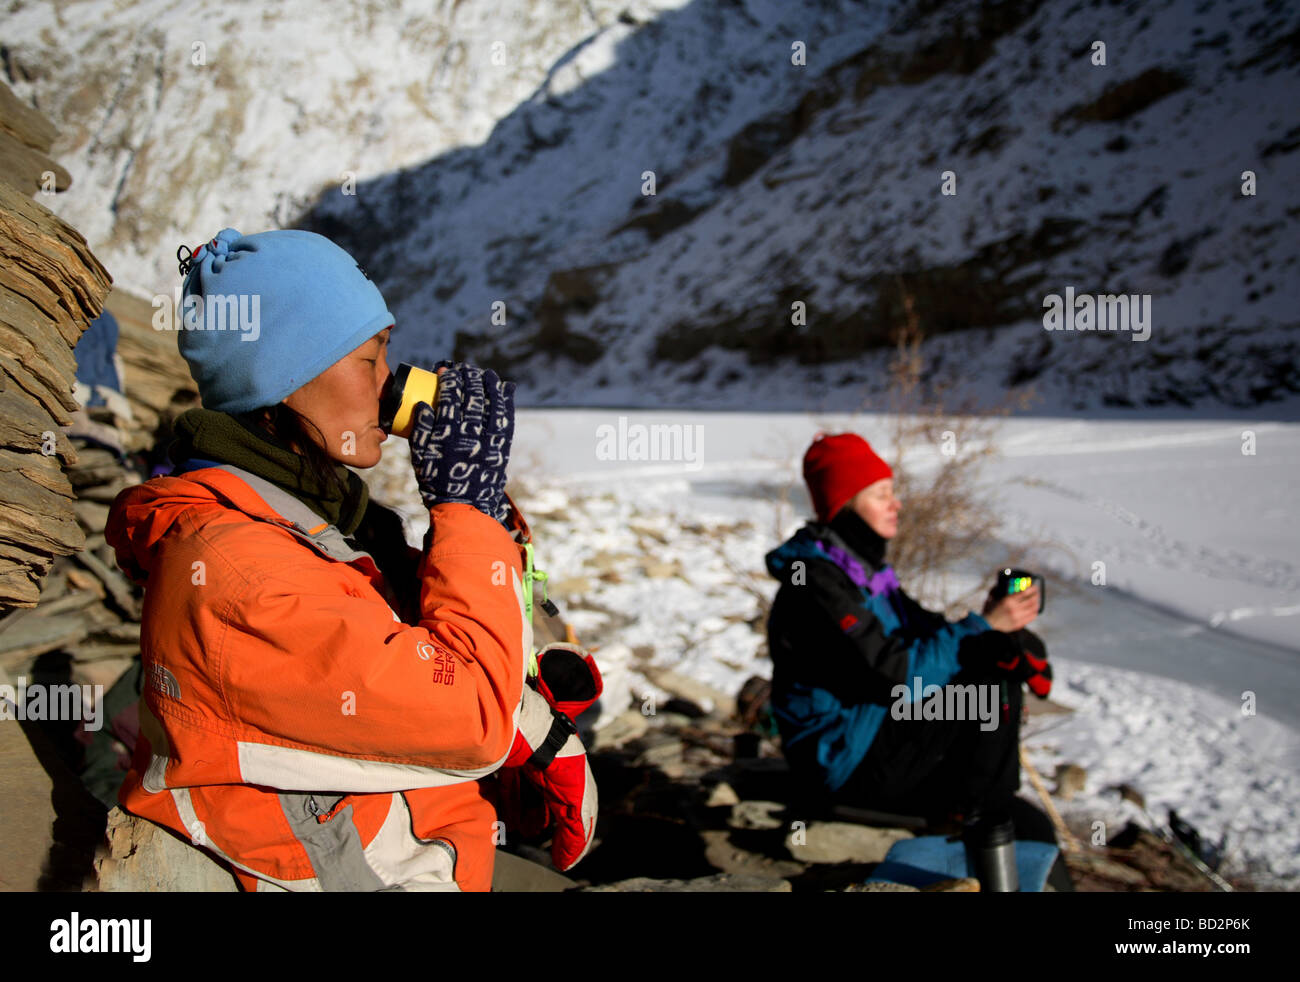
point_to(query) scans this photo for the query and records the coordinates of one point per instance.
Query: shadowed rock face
(1130, 97)
(987, 290)
(829, 197)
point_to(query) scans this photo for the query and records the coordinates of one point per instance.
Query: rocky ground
(694, 800)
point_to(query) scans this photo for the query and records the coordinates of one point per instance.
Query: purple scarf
(883, 581)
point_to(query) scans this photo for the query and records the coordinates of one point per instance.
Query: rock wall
(51, 288)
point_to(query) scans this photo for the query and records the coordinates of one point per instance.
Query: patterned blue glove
(460, 447)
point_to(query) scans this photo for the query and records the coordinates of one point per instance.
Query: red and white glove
(548, 753)
(568, 677)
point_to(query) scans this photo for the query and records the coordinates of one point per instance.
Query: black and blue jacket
(842, 633)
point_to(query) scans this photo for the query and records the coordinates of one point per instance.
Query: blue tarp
(933, 858)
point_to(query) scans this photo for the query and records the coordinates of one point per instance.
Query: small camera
(1018, 581)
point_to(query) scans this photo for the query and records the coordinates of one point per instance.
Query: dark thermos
(991, 853)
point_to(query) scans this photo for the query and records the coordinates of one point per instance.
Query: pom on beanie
(261, 315)
(837, 467)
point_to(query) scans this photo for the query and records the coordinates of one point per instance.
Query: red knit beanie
(837, 467)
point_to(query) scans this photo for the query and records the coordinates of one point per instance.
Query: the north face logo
(164, 682)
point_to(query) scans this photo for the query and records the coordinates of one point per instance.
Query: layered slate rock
(51, 288)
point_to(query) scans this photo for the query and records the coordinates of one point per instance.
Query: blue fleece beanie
(261, 315)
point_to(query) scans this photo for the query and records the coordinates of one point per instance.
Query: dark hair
(291, 427)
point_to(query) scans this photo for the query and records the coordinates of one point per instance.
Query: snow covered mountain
(798, 153)
(179, 119)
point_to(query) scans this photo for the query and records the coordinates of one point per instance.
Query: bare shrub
(940, 444)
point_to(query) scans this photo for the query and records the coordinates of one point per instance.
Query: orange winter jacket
(291, 723)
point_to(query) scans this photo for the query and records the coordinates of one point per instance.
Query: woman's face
(877, 506)
(343, 402)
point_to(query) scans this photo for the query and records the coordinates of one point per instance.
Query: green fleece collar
(211, 435)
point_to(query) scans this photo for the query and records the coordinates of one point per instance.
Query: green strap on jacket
(530, 575)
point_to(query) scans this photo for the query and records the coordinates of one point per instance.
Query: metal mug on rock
(990, 842)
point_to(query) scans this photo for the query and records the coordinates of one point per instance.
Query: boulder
(723, 852)
(964, 884)
(628, 725)
(842, 842)
(140, 856)
(719, 883)
(757, 815)
(700, 693)
(880, 886)
(721, 795)
(1070, 780)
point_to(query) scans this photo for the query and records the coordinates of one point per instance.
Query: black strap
(561, 729)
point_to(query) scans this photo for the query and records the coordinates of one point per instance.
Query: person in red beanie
(851, 651)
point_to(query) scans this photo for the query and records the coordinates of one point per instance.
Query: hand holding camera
(1015, 600)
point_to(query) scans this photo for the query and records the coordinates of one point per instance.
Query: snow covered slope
(1122, 178)
(178, 119)
(797, 149)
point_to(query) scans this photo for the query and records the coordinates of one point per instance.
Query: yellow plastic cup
(407, 387)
